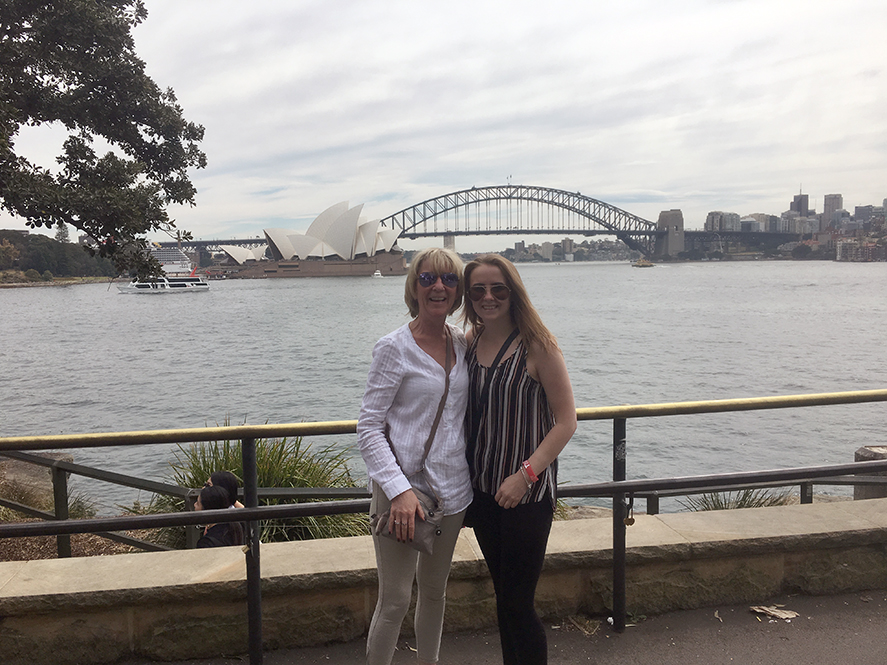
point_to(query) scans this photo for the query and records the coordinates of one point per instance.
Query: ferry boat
(167, 284)
(642, 263)
(378, 273)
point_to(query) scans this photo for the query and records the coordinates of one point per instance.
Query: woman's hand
(512, 490)
(402, 522)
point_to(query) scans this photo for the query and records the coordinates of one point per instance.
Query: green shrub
(281, 463)
(47, 276)
(750, 498)
(79, 506)
(32, 275)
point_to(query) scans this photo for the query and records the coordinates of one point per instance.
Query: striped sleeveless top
(516, 419)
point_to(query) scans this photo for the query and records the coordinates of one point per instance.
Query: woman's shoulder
(540, 350)
(394, 339)
(458, 336)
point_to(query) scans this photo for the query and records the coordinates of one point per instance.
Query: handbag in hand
(426, 531)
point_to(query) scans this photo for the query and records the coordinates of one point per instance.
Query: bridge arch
(519, 209)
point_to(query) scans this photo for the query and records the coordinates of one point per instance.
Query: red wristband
(530, 472)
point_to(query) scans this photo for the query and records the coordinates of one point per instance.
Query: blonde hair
(523, 315)
(438, 261)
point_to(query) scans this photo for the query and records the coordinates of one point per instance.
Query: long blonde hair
(523, 315)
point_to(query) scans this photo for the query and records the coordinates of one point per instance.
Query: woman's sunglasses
(449, 279)
(498, 291)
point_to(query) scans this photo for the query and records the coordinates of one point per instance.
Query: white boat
(378, 273)
(167, 284)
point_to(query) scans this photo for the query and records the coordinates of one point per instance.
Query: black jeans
(513, 542)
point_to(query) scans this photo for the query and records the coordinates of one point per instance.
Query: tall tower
(672, 243)
(830, 205)
(801, 205)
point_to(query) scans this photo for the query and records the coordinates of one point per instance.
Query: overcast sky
(648, 105)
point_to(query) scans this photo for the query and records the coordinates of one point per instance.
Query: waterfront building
(718, 220)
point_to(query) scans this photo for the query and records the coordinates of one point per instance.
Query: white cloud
(647, 105)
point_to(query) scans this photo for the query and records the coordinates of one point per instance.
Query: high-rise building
(722, 221)
(801, 205)
(863, 213)
(830, 207)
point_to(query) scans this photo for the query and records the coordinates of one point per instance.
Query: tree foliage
(73, 63)
(41, 253)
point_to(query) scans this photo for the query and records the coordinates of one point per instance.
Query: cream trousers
(398, 565)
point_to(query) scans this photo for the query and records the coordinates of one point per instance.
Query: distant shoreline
(62, 281)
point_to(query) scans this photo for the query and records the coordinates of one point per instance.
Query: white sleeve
(383, 383)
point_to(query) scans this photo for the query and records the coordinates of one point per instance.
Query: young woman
(216, 497)
(521, 415)
(404, 388)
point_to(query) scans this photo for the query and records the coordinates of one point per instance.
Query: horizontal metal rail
(240, 432)
(261, 513)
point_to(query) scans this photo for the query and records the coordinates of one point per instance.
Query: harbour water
(87, 359)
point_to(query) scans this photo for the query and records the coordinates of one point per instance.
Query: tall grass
(749, 498)
(282, 463)
(79, 505)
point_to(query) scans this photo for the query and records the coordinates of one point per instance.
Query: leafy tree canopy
(72, 62)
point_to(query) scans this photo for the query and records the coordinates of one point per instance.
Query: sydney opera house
(338, 242)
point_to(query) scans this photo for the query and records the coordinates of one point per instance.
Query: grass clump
(748, 498)
(79, 506)
(282, 463)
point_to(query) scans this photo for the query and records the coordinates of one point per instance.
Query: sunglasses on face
(449, 279)
(498, 291)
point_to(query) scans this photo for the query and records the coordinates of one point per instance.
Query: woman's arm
(383, 383)
(547, 366)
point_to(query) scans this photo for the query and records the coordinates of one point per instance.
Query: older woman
(406, 382)
(522, 414)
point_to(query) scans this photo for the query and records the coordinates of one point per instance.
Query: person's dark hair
(227, 480)
(214, 497)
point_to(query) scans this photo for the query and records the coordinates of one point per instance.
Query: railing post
(653, 504)
(60, 508)
(253, 569)
(619, 527)
(192, 533)
(806, 492)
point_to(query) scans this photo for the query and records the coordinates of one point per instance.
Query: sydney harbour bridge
(516, 210)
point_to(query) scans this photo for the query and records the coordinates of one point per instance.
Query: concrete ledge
(192, 604)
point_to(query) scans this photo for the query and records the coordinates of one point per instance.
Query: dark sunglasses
(498, 291)
(449, 279)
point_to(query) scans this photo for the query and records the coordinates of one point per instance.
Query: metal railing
(622, 490)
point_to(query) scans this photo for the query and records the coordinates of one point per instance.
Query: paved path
(849, 629)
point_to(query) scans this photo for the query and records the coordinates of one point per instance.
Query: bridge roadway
(845, 629)
(708, 239)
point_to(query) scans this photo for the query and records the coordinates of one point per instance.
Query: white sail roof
(241, 255)
(337, 230)
(386, 239)
(321, 224)
(303, 245)
(366, 238)
(281, 247)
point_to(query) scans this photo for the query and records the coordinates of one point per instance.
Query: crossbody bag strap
(440, 407)
(486, 393)
(448, 365)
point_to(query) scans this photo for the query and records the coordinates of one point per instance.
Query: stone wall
(192, 604)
